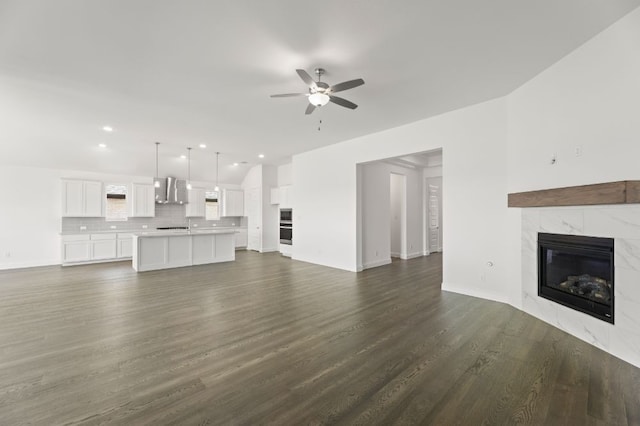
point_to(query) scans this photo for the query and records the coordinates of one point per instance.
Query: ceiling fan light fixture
(319, 99)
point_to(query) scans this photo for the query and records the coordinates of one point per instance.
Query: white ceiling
(201, 71)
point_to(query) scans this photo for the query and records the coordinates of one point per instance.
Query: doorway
(392, 205)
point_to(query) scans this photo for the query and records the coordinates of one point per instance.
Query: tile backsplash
(166, 215)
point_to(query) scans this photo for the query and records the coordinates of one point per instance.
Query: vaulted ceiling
(200, 72)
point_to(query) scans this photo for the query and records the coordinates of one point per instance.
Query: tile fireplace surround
(621, 222)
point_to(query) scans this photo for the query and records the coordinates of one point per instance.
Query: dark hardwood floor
(268, 340)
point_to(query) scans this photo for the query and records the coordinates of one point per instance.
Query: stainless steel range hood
(170, 191)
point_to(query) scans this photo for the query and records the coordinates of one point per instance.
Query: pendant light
(217, 188)
(156, 181)
(189, 169)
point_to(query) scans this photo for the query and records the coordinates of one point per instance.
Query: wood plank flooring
(268, 340)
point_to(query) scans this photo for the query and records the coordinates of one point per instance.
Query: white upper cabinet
(142, 200)
(81, 198)
(232, 202)
(275, 195)
(196, 204)
(285, 197)
(282, 196)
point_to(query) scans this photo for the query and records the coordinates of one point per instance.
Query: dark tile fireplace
(577, 272)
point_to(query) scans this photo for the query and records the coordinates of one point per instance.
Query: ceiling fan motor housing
(321, 87)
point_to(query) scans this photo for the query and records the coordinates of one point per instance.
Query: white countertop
(177, 232)
(195, 230)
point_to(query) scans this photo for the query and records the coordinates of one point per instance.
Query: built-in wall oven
(286, 226)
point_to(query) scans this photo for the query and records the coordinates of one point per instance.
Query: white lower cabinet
(88, 248)
(241, 238)
(103, 246)
(76, 248)
(125, 246)
(151, 252)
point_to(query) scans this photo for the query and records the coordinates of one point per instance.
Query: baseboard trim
(22, 265)
(90, 262)
(269, 250)
(376, 263)
(453, 288)
(412, 255)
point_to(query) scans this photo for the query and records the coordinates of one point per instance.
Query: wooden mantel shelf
(622, 192)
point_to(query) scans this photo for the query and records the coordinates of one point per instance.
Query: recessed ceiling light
(102, 145)
(107, 129)
(184, 157)
(202, 145)
(261, 156)
(235, 164)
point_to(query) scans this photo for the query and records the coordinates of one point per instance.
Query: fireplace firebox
(577, 272)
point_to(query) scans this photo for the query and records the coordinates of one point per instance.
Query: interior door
(434, 218)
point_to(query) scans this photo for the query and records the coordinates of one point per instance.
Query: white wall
(376, 215)
(29, 217)
(588, 100)
(474, 152)
(397, 209)
(284, 175)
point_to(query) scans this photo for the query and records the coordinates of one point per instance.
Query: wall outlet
(578, 150)
(83, 228)
(112, 227)
(145, 226)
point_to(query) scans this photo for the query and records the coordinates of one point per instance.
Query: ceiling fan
(320, 93)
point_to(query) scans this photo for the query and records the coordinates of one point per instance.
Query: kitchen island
(174, 249)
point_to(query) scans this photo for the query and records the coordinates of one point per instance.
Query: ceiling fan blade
(342, 102)
(310, 109)
(289, 95)
(307, 78)
(346, 85)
